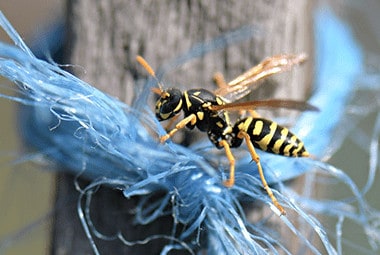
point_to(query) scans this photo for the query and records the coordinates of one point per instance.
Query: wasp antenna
(157, 91)
(149, 69)
(146, 66)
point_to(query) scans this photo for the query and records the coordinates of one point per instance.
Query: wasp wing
(269, 103)
(248, 81)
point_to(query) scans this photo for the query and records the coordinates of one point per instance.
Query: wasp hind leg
(189, 119)
(254, 114)
(255, 157)
(219, 80)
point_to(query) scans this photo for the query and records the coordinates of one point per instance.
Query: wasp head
(169, 104)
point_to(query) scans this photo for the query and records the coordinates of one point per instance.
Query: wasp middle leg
(231, 180)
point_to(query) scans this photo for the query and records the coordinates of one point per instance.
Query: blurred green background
(26, 192)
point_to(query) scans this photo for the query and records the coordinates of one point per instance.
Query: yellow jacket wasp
(209, 112)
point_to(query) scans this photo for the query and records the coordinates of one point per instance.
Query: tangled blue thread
(111, 143)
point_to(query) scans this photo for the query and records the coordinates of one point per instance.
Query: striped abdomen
(269, 136)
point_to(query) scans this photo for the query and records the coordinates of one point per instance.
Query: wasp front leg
(171, 122)
(189, 119)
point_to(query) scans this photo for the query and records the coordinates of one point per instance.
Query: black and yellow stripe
(268, 136)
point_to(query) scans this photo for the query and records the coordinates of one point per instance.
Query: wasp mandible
(209, 112)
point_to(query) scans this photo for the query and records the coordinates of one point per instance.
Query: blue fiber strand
(201, 49)
(110, 143)
(337, 68)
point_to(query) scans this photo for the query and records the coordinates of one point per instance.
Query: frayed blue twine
(98, 137)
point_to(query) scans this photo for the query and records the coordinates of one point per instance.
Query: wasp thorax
(169, 104)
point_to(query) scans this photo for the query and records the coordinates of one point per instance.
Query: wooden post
(105, 37)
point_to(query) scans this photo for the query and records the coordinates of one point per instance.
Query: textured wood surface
(106, 36)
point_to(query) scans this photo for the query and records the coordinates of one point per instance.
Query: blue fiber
(95, 136)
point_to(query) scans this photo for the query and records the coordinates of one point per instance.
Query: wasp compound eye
(169, 104)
